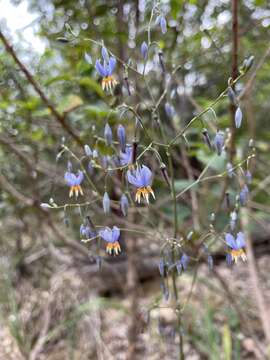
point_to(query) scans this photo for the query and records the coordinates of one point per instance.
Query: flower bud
(219, 142)
(163, 24)
(106, 203)
(87, 150)
(124, 204)
(232, 96)
(207, 138)
(121, 133)
(108, 134)
(169, 109)
(238, 117)
(243, 195)
(144, 50)
(229, 168)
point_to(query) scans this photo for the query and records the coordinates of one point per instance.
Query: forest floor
(64, 317)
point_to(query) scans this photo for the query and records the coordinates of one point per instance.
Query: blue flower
(74, 182)
(144, 50)
(126, 157)
(219, 142)
(111, 236)
(169, 109)
(184, 261)
(87, 150)
(162, 23)
(87, 232)
(121, 133)
(108, 134)
(236, 246)
(124, 204)
(106, 203)
(141, 178)
(106, 70)
(243, 195)
(238, 118)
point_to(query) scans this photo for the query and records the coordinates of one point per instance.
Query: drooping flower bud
(232, 96)
(163, 24)
(210, 262)
(248, 176)
(233, 220)
(207, 138)
(121, 133)
(238, 117)
(108, 134)
(161, 61)
(229, 170)
(87, 150)
(169, 109)
(243, 195)
(124, 204)
(106, 203)
(95, 154)
(144, 50)
(219, 142)
(88, 58)
(134, 151)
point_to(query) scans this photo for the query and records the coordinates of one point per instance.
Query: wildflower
(106, 69)
(144, 50)
(169, 109)
(121, 133)
(233, 220)
(95, 153)
(184, 261)
(210, 262)
(162, 267)
(238, 117)
(106, 203)
(74, 182)
(236, 246)
(161, 21)
(243, 195)
(248, 176)
(87, 232)
(207, 138)
(108, 134)
(219, 142)
(142, 179)
(111, 236)
(229, 168)
(126, 156)
(124, 204)
(87, 150)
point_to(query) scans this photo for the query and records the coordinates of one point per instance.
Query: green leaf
(91, 84)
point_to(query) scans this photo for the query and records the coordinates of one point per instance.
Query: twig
(58, 117)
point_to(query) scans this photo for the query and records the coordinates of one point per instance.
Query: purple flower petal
(146, 176)
(112, 63)
(70, 178)
(101, 69)
(115, 233)
(230, 241)
(240, 240)
(104, 54)
(133, 179)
